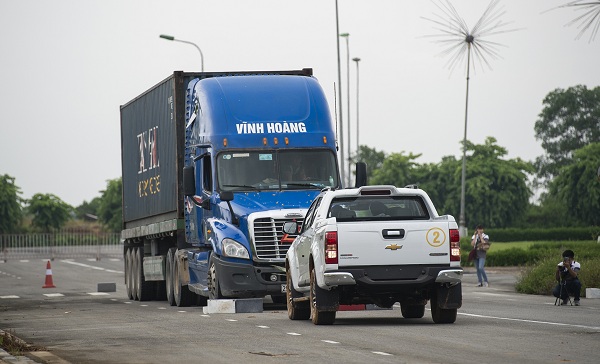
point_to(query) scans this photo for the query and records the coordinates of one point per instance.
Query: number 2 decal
(436, 237)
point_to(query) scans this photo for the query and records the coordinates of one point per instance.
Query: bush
(544, 234)
(539, 277)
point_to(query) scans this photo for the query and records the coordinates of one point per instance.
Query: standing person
(567, 275)
(481, 243)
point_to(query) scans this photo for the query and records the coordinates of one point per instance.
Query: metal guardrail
(60, 245)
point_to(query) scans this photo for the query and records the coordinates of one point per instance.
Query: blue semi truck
(213, 165)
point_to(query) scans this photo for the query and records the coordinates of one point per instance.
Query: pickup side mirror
(290, 227)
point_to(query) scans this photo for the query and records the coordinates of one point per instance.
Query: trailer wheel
(128, 275)
(183, 296)
(214, 288)
(297, 310)
(319, 317)
(169, 279)
(412, 311)
(133, 273)
(440, 315)
(145, 290)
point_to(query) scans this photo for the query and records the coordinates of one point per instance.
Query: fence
(60, 245)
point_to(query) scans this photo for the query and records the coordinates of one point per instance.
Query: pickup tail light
(331, 247)
(454, 245)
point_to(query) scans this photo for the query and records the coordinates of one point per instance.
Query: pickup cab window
(378, 208)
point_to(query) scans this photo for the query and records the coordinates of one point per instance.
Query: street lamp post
(356, 59)
(347, 36)
(170, 37)
(342, 158)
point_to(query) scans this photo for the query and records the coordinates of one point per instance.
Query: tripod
(563, 288)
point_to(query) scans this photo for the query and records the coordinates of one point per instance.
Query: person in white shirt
(481, 243)
(567, 275)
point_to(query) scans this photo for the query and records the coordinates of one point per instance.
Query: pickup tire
(319, 316)
(440, 315)
(296, 310)
(214, 288)
(169, 278)
(412, 310)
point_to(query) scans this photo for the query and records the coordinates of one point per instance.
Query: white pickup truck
(373, 245)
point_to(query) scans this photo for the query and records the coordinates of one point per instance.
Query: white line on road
(3, 297)
(294, 334)
(98, 294)
(262, 327)
(382, 353)
(330, 341)
(54, 295)
(531, 321)
(90, 266)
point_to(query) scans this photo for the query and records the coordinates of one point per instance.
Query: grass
(15, 346)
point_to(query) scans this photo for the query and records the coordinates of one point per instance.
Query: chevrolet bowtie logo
(393, 247)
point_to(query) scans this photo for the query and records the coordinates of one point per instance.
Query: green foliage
(110, 206)
(49, 212)
(11, 211)
(397, 169)
(371, 157)
(569, 121)
(87, 208)
(589, 233)
(577, 185)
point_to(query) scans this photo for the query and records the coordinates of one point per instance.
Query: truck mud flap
(328, 300)
(449, 297)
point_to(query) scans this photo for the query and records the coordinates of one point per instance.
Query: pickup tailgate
(393, 243)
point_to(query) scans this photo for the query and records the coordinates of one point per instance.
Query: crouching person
(567, 273)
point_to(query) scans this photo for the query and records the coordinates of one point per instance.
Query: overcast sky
(67, 66)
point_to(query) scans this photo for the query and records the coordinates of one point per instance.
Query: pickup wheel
(441, 315)
(412, 311)
(319, 317)
(296, 310)
(214, 288)
(170, 263)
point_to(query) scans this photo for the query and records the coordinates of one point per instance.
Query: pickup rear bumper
(389, 276)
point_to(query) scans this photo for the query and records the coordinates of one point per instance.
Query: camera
(565, 259)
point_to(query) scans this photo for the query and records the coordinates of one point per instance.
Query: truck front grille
(270, 242)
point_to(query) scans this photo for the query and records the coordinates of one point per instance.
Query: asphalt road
(73, 321)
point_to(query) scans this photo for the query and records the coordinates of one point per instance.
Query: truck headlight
(232, 248)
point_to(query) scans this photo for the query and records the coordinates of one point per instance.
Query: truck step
(238, 305)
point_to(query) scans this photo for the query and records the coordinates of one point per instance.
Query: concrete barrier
(592, 292)
(245, 305)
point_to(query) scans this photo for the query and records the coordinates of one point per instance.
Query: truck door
(206, 191)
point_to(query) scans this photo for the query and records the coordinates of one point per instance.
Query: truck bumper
(338, 279)
(246, 281)
(451, 276)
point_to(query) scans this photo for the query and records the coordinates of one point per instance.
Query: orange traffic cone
(49, 283)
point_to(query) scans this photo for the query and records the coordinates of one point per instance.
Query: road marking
(231, 320)
(54, 295)
(205, 315)
(330, 341)
(162, 308)
(182, 311)
(114, 260)
(531, 321)
(382, 353)
(90, 266)
(143, 305)
(127, 302)
(3, 297)
(294, 334)
(27, 260)
(98, 294)
(262, 327)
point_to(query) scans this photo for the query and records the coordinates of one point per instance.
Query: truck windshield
(276, 170)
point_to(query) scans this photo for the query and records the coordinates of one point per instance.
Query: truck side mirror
(361, 174)
(189, 181)
(226, 196)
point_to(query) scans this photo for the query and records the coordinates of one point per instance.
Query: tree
(86, 209)
(49, 212)
(397, 169)
(11, 211)
(577, 185)
(110, 206)
(569, 120)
